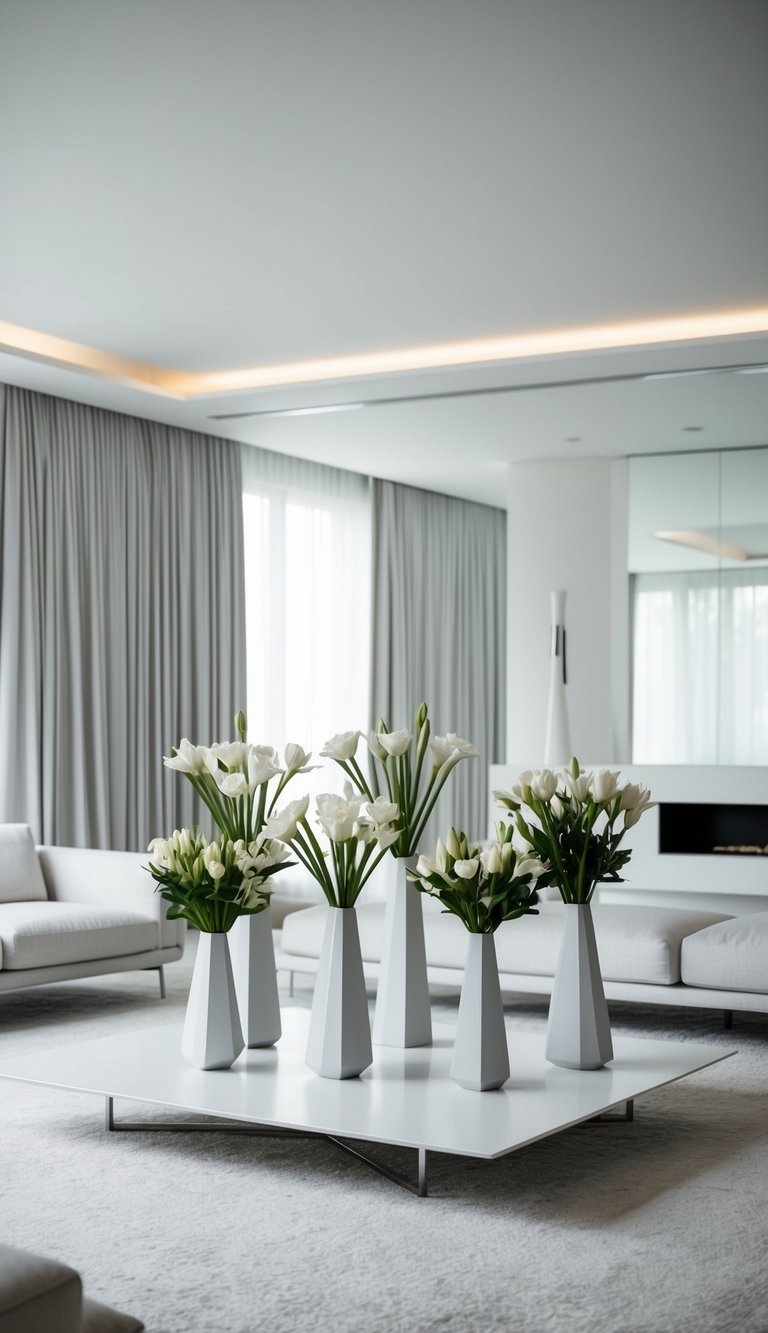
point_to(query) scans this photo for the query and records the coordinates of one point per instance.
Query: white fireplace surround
(733, 884)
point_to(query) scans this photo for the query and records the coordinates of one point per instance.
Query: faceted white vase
(579, 1030)
(557, 743)
(402, 1016)
(253, 964)
(339, 1044)
(212, 1037)
(480, 1054)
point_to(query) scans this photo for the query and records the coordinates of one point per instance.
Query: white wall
(567, 528)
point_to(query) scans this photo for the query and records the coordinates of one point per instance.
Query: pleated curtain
(122, 621)
(439, 594)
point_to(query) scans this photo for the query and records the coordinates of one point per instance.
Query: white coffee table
(406, 1097)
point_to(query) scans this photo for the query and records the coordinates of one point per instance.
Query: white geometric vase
(253, 965)
(480, 1054)
(339, 1044)
(212, 1037)
(557, 743)
(579, 1029)
(402, 1017)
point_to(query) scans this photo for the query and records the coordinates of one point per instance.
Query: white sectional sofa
(656, 955)
(72, 912)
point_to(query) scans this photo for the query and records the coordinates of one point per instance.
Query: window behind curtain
(700, 677)
(308, 607)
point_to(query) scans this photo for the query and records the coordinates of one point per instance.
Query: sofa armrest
(111, 879)
(38, 1293)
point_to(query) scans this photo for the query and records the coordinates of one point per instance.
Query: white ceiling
(209, 186)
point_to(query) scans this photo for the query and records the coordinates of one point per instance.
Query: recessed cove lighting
(573, 340)
(752, 370)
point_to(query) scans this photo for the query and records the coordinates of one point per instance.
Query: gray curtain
(439, 598)
(122, 616)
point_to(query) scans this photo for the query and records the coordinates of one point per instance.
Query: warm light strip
(89, 360)
(703, 541)
(478, 351)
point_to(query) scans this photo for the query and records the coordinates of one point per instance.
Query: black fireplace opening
(713, 830)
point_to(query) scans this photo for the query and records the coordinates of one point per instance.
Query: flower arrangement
(482, 884)
(211, 884)
(576, 822)
(401, 771)
(233, 779)
(357, 841)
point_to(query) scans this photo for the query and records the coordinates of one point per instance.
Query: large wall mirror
(698, 563)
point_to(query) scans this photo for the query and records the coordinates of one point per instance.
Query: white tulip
(521, 788)
(342, 747)
(441, 857)
(426, 865)
(490, 859)
(261, 766)
(544, 784)
(382, 811)
(530, 866)
(188, 759)
(633, 795)
(297, 760)
(604, 786)
(375, 746)
(231, 784)
(466, 869)
(283, 825)
(232, 753)
(216, 869)
(337, 815)
(395, 742)
(450, 749)
(579, 787)
(452, 844)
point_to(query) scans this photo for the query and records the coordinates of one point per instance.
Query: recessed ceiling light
(693, 430)
(573, 439)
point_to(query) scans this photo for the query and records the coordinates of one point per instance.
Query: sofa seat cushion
(21, 875)
(50, 934)
(732, 955)
(636, 944)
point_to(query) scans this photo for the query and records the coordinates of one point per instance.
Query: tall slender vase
(480, 1054)
(253, 964)
(212, 1037)
(339, 1044)
(402, 1017)
(557, 744)
(579, 1030)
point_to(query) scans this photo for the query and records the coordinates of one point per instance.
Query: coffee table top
(405, 1098)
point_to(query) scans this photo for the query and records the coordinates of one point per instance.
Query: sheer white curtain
(700, 679)
(307, 536)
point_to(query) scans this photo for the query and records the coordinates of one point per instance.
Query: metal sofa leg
(161, 976)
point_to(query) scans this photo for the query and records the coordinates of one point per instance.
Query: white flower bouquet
(576, 822)
(408, 768)
(357, 838)
(233, 779)
(211, 884)
(482, 884)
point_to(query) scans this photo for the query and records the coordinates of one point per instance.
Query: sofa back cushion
(21, 878)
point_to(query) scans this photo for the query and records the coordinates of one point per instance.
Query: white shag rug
(660, 1226)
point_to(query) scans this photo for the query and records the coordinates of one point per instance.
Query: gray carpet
(654, 1227)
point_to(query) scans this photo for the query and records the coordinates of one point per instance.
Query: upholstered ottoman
(40, 1295)
(732, 955)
